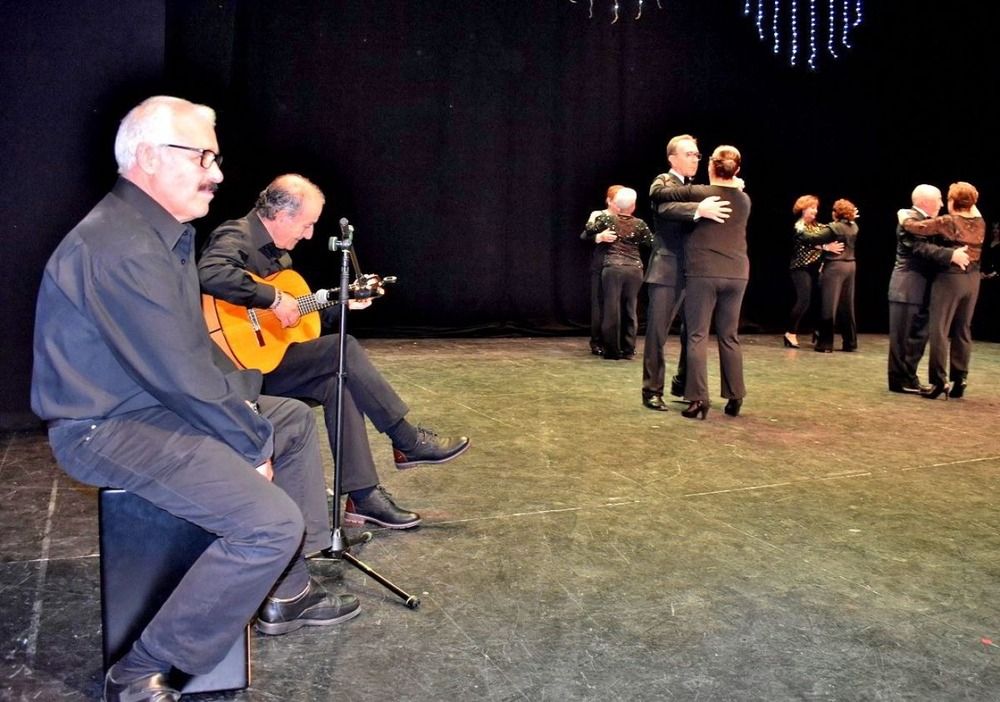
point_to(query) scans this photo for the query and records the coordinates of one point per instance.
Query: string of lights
(616, 9)
(781, 22)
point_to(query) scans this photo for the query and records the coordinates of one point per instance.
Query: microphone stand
(340, 546)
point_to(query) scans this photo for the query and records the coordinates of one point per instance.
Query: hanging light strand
(772, 18)
(616, 9)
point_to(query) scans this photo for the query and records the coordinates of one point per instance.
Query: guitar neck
(309, 303)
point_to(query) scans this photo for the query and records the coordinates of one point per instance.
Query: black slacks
(309, 370)
(953, 301)
(620, 300)
(665, 303)
(163, 459)
(724, 298)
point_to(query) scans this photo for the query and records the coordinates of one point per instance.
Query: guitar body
(231, 327)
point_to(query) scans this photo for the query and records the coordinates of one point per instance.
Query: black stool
(145, 552)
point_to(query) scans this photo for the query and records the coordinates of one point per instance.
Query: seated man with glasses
(124, 377)
(208, 157)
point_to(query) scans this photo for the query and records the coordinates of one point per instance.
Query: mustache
(209, 187)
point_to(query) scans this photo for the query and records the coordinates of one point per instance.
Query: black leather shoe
(957, 389)
(378, 508)
(314, 607)
(152, 688)
(430, 448)
(676, 387)
(734, 406)
(911, 388)
(655, 402)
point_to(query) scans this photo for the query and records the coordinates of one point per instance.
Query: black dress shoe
(957, 390)
(152, 688)
(911, 388)
(733, 407)
(378, 508)
(655, 402)
(430, 448)
(314, 607)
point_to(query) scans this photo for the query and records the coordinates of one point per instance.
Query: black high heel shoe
(733, 407)
(936, 391)
(695, 408)
(791, 341)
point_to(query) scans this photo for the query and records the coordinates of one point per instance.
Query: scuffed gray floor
(836, 542)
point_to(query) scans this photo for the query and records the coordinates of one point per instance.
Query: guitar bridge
(255, 325)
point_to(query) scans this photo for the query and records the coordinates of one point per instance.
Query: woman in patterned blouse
(808, 245)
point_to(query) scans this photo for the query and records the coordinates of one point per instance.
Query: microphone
(323, 298)
(346, 230)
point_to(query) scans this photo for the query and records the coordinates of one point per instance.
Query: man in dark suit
(917, 261)
(665, 272)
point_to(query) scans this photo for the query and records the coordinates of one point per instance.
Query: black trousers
(309, 370)
(665, 303)
(953, 301)
(724, 298)
(619, 319)
(163, 459)
(805, 281)
(837, 303)
(595, 308)
(908, 333)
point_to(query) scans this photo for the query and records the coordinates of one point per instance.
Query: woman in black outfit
(836, 284)
(716, 270)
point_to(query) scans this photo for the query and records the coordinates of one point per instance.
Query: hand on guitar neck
(291, 308)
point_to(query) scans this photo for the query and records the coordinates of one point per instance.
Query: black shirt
(119, 328)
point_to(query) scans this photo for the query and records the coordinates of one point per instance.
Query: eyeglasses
(208, 157)
(693, 154)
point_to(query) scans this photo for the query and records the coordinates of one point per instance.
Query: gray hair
(625, 197)
(285, 194)
(152, 122)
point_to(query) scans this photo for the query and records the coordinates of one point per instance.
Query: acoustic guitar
(254, 338)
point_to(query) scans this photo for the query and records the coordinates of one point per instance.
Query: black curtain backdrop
(467, 141)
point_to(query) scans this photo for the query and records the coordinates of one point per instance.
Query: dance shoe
(697, 407)
(430, 448)
(314, 607)
(151, 688)
(912, 387)
(935, 391)
(378, 508)
(655, 402)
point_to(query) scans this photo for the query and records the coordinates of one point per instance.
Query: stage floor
(835, 542)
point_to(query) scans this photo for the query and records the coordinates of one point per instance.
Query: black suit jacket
(917, 262)
(671, 222)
